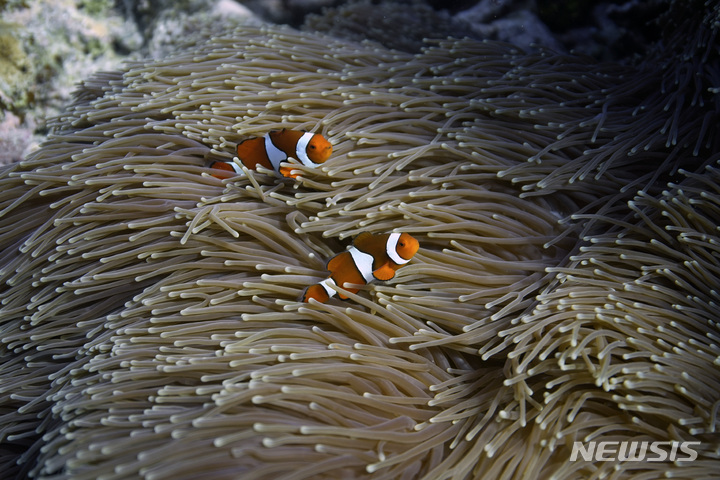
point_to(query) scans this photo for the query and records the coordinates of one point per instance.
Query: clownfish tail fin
(228, 169)
(317, 292)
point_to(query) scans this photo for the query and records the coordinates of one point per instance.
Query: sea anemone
(565, 290)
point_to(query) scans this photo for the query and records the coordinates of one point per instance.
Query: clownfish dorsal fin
(339, 262)
(361, 241)
(371, 243)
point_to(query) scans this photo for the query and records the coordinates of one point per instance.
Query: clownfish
(372, 256)
(311, 149)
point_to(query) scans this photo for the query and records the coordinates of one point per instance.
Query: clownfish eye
(402, 244)
(312, 146)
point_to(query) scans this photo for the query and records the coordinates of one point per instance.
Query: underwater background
(556, 161)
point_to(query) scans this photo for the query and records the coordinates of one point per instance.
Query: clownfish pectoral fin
(225, 169)
(287, 172)
(385, 272)
(317, 292)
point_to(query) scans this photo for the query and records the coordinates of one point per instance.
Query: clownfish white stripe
(364, 263)
(371, 257)
(391, 249)
(301, 150)
(275, 147)
(326, 285)
(275, 155)
(236, 168)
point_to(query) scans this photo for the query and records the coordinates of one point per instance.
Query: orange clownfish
(311, 149)
(371, 257)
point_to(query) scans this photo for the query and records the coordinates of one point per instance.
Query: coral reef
(512, 21)
(410, 23)
(48, 47)
(151, 323)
